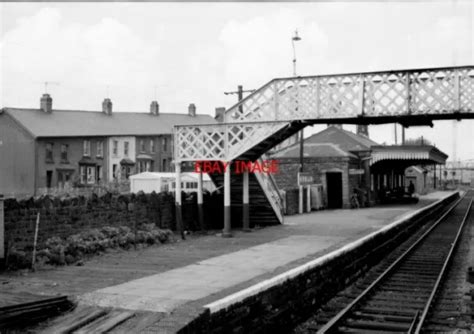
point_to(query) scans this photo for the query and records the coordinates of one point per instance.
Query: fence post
(2, 230)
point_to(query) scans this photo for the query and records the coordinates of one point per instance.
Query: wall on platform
(64, 217)
(278, 304)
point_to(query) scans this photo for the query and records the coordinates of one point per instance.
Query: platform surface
(311, 234)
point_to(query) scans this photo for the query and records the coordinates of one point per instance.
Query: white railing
(272, 192)
(220, 141)
(406, 92)
(376, 94)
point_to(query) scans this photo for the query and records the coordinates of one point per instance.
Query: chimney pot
(154, 108)
(192, 110)
(220, 111)
(363, 130)
(46, 103)
(107, 106)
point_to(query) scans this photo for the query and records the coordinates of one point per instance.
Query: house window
(142, 145)
(144, 166)
(163, 165)
(87, 148)
(100, 148)
(64, 179)
(165, 143)
(125, 148)
(115, 147)
(49, 152)
(87, 174)
(152, 145)
(64, 149)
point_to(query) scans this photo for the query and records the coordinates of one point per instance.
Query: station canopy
(404, 156)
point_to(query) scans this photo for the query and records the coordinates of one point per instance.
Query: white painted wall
(116, 158)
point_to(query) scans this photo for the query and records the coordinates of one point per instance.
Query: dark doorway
(334, 187)
(49, 178)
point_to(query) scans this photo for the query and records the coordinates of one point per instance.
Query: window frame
(64, 153)
(126, 148)
(86, 148)
(49, 152)
(100, 149)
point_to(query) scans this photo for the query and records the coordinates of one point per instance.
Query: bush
(58, 251)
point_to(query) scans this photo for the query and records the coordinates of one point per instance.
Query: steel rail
(335, 321)
(442, 272)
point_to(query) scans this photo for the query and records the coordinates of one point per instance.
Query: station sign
(356, 172)
(305, 179)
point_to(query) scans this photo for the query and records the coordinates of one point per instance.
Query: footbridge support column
(200, 202)
(245, 204)
(178, 201)
(226, 233)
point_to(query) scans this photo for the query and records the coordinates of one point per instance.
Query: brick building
(49, 148)
(344, 162)
(338, 159)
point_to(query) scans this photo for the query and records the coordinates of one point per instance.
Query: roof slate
(323, 150)
(346, 140)
(78, 123)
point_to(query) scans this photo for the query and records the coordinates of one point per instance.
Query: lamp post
(294, 39)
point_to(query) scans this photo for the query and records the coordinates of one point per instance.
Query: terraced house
(48, 148)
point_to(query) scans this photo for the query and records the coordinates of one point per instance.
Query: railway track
(401, 297)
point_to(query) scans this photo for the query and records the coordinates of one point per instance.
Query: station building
(344, 163)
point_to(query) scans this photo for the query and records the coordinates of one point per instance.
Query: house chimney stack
(192, 110)
(46, 103)
(107, 106)
(363, 130)
(220, 111)
(154, 108)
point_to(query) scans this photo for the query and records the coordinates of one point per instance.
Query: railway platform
(168, 287)
(180, 294)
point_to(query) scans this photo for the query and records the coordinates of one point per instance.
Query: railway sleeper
(365, 331)
(376, 325)
(408, 312)
(381, 317)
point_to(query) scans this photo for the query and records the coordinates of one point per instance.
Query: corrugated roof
(78, 123)
(312, 150)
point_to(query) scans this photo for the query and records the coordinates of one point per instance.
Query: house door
(334, 190)
(49, 178)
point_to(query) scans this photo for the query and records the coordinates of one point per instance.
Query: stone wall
(281, 306)
(63, 217)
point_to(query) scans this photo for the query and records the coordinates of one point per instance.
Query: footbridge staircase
(284, 106)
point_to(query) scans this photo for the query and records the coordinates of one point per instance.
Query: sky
(182, 53)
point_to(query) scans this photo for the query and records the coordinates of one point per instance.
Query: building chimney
(192, 110)
(154, 108)
(107, 106)
(363, 130)
(220, 111)
(46, 103)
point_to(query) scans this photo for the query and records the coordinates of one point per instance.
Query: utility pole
(294, 39)
(240, 94)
